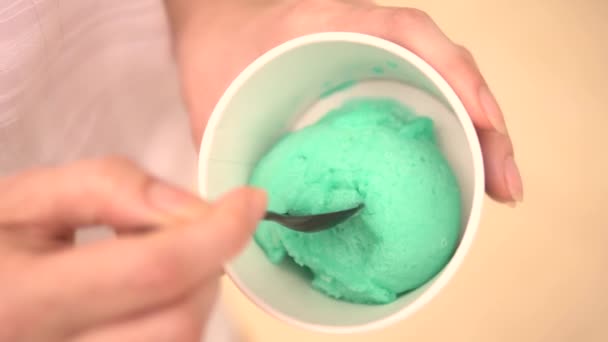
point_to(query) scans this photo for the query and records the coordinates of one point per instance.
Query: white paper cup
(292, 86)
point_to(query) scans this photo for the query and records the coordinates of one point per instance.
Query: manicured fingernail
(174, 201)
(513, 179)
(257, 204)
(492, 111)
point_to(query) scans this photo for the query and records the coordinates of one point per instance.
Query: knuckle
(462, 62)
(464, 53)
(414, 16)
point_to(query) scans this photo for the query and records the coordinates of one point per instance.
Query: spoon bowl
(312, 223)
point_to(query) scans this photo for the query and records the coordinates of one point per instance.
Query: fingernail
(257, 204)
(492, 111)
(174, 201)
(513, 179)
(511, 204)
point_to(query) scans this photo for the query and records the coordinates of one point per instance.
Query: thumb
(140, 273)
(112, 191)
(232, 220)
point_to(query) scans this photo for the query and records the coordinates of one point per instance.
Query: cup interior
(292, 86)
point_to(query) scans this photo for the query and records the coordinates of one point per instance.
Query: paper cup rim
(478, 185)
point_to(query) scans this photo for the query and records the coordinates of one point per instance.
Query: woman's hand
(155, 282)
(215, 40)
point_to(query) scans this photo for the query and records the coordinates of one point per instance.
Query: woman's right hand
(156, 282)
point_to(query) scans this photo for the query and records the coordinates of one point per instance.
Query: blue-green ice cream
(378, 153)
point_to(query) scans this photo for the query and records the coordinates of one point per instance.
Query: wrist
(181, 13)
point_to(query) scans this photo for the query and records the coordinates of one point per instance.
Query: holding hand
(215, 40)
(156, 282)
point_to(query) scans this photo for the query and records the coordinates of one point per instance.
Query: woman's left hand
(215, 40)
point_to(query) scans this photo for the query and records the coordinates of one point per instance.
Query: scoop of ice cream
(379, 153)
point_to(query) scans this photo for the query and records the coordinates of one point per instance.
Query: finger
(117, 278)
(504, 181)
(109, 191)
(416, 31)
(180, 322)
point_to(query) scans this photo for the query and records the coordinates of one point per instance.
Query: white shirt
(86, 78)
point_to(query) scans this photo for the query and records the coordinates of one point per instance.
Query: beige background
(538, 272)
